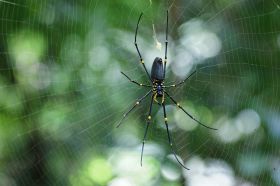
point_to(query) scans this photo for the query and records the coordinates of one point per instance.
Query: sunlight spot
(184, 122)
(26, 48)
(199, 40)
(228, 132)
(171, 169)
(127, 164)
(183, 63)
(247, 121)
(39, 76)
(244, 183)
(113, 75)
(99, 171)
(121, 182)
(170, 173)
(211, 173)
(203, 45)
(52, 120)
(99, 58)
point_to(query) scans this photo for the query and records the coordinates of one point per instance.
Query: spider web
(62, 92)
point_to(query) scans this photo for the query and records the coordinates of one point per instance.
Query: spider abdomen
(157, 72)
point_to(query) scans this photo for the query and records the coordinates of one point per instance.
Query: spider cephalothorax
(158, 91)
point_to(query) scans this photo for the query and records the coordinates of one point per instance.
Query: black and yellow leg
(155, 97)
(136, 104)
(136, 45)
(163, 98)
(135, 82)
(169, 137)
(166, 45)
(175, 85)
(180, 107)
(146, 130)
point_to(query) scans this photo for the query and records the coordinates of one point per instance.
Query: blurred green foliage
(61, 92)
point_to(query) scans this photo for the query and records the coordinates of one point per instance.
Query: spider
(158, 91)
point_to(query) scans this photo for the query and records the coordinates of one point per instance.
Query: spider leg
(166, 43)
(136, 45)
(140, 84)
(169, 137)
(146, 130)
(178, 105)
(174, 85)
(137, 103)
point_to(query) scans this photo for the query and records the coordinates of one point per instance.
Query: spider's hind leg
(169, 137)
(180, 107)
(146, 130)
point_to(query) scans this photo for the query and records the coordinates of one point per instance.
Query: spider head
(158, 60)
(157, 70)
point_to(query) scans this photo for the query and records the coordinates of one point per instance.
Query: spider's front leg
(181, 82)
(136, 104)
(135, 82)
(138, 51)
(166, 44)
